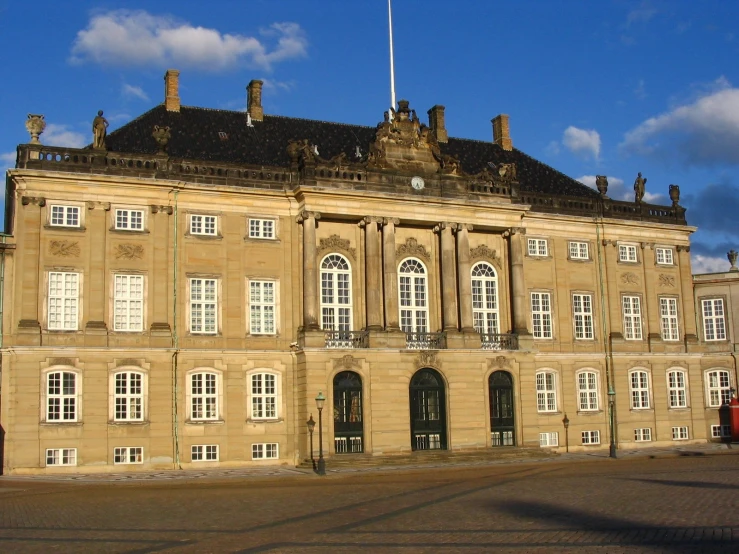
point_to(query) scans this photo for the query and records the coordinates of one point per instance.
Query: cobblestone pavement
(682, 503)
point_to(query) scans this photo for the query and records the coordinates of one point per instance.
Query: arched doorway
(428, 411)
(348, 427)
(502, 425)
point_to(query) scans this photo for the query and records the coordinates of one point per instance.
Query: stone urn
(161, 136)
(35, 125)
(674, 194)
(732, 255)
(601, 182)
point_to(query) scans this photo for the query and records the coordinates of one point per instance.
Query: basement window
(222, 135)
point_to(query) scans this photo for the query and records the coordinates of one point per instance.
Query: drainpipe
(176, 343)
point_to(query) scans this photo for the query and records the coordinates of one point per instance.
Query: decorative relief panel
(129, 251)
(666, 280)
(500, 362)
(335, 242)
(483, 252)
(412, 248)
(347, 362)
(427, 358)
(629, 278)
(64, 248)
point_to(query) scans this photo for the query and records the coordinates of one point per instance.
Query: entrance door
(502, 429)
(348, 428)
(428, 411)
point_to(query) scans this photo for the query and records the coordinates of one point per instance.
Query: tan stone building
(178, 293)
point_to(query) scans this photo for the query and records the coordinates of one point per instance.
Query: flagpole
(392, 67)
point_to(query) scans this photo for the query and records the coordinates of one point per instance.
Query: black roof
(196, 134)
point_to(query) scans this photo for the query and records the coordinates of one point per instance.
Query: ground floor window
(128, 455)
(591, 437)
(61, 457)
(265, 451)
(204, 453)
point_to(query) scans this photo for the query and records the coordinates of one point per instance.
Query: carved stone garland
(335, 242)
(483, 252)
(64, 248)
(412, 248)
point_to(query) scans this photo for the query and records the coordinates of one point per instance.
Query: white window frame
(669, 318)
(714, 321)
(720, 431)
(718, 387)
(625, 252)
(336, 293)
(56, 457)
(587, 391)
(127, 219)
(413, 305)
(639, 390)
(643, 434)
(204, 225)
(546, 391)
(63, 304)
(578, 250)
(541, 315)
(204, 395)
(204, 453)
(582, 316)
(203, 305)
(262, 306)
(677, 389)
(265, 395)
(538, 248)
(63, 215)
(126, 455)
(128, 302)
(129, 396)
(262, 228)
(62, 404)
(485, 311)
(631, 311)
(681, 433)
(590, 438)
(265, 451)
(664, 256)
(548, 439)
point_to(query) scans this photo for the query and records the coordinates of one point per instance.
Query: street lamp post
(320, 401)
(311, 427)
(566, 423)
(612, 423)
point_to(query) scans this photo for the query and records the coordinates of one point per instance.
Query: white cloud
(271, 84)
(708, 264)
(702, 132)
(131, 91)
(639, 91)
(61, 135)
(7, 159)
(582, 141)
(125, 37)
(642, 14)
(552, 148)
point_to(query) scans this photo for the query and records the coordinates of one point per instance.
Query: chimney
(502, 132)
(172, 90)
(254, 100)
(436, 123)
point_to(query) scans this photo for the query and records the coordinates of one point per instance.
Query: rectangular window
(676, 389)
(591, 437)
(128, 303)
(204, 453)
(639, 383)
(546, 395)
(61, 396)
(128, 455)
(643, 435)
(664, 256)
(203, 396)
(714, 325)
(680, 433)
(549, 439)
(129, 220)
(264, 451)
(668, 318)
(203, 225)
(587, 390)
(537, 247)
(262, 307)
(582, 307)
(203, 306)
(63, 300)
(718, 388)
(261, 228)
(61, 457)
(720, 431)
(65, 216)
(631, 306)
(263, 396)
(129, 396)
(541, 315)
(578, 250)
(627, 253)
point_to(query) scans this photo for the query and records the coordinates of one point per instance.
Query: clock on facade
(417, 183)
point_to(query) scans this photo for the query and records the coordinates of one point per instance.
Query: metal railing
(499, 341)
(347, 339)
(425, 341)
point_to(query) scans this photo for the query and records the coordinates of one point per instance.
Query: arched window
(128, 396)
(62, 396)
(413, 296)
(336, 294)
(348, 427)
(485, 299)
(676, 389)
(587, 390)
(718, 388)
(203, 395)
(639, 386)
(546, 391)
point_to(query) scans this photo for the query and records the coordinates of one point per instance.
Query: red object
(734, 418)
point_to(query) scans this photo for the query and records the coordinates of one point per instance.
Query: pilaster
(310, 276)
(29, 325)
(392, 322)
(373, 272)
(686, 301)
(516, 236)
(465, 279)
(160, 329)
(96, 329)
(448, 276)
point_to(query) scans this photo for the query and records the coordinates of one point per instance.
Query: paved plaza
(685, 502)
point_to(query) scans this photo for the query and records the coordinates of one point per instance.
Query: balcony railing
(347, 339)
(425, 341)
(499, 341)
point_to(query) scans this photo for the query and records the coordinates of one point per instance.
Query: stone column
(465, 281)
(373, 272)
(687, 302)
(29, 265)
(448, 276)
(96, 284)
(392, 319)
(650, 308)
(160, 279)
(516, 236)
(310, 275)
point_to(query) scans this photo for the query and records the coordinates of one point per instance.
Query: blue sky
(611, 87)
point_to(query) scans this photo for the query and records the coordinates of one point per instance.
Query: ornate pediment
(347, 362)
(412, 248)
(335, 242)
(483, 252)
(427, 358)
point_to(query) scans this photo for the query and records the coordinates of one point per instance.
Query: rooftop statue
(639, 189)
(99, 131)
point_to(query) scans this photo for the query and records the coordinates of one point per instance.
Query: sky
(608, 87)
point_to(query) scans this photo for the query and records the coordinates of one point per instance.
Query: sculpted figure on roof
(639, 188)
(99, 131)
